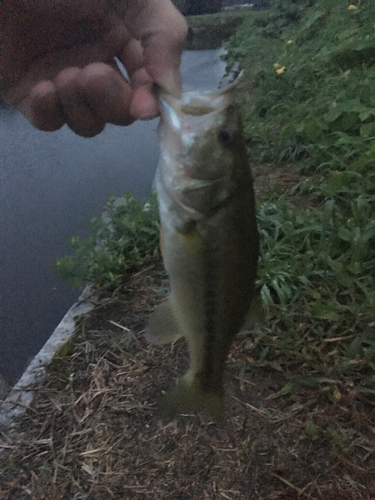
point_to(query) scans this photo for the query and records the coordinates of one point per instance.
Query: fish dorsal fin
(231, 79)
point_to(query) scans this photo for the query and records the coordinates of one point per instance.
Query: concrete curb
(22, 394)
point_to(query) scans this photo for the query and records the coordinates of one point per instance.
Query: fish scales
(209, 240)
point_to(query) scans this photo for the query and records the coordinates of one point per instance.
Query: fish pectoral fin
(255, 314)
(189, 396)
(163, 326)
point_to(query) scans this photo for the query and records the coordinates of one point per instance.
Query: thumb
(162, 31)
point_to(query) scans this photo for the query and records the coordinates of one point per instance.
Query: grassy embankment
(309, 100)
(211, 30)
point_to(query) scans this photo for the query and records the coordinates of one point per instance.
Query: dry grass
(93, 431)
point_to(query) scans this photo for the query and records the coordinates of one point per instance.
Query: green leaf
(326, 311)
(367, 130)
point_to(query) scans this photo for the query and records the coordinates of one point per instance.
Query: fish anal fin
(162, 326)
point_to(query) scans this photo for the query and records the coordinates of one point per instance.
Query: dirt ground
(93, 431)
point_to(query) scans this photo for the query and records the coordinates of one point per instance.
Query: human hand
(57, 60)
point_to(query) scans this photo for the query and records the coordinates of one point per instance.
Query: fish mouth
(193, 107)
(193, 104)
(192, 110)
(200, 103)
(176, 112)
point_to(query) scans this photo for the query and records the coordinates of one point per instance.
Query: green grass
(308, 99)
(219, 20)
(210, 31)
(324, 95)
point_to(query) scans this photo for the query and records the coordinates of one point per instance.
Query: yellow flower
(352, 7)
(277, 65)
(289, 42)
(280, 71)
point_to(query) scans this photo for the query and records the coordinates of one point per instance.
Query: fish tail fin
(189, 396)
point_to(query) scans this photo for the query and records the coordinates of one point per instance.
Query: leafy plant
(122, 241)
(308, 99)
(298, 78)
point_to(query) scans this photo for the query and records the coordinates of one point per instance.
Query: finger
(79, 116)
(52, 63)
(105, 90)
(162, 31)
(143, 106)
(35, 28)
(42, 107)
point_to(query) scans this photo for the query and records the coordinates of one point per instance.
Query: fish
(209, 240)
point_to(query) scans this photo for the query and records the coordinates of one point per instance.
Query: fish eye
(225, 136)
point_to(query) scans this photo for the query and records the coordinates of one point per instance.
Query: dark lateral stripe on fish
(211, 313)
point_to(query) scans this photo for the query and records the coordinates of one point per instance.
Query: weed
(308, 99)
(122, 241)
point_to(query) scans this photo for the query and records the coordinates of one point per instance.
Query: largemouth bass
(209, 240)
